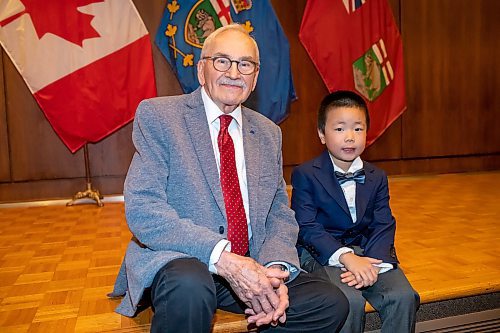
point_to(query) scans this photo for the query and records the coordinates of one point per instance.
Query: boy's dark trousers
(392, 296)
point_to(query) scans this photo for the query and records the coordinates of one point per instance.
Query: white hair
(233, 26)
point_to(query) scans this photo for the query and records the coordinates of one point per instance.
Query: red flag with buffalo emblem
(88, 63)
(356, 45)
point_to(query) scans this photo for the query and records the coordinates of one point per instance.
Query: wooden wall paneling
(448, 164)
(4, 139)
(166, 81)
(489, 77)
(452, 80)
(36, 151)
(437, 165)
(112, 155)
(300, 138)
(396, 11)
(47, 189)
(389, 146)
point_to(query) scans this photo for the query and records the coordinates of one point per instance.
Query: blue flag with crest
(186, 24)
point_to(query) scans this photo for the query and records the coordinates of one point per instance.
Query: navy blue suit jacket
(323, 215)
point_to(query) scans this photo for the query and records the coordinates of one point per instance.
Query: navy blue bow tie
(358, 176)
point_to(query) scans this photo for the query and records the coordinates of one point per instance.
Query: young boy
(346, 226)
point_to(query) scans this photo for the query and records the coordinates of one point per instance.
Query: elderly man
(206, 202)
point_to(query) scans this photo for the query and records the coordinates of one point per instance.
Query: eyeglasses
(223, 64)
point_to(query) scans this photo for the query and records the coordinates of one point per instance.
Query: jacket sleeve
(312, 235)
(280, 226)
(381, 231)
(151, 219)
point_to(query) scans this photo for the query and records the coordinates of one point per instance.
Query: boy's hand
(362, 269)
(350, 279)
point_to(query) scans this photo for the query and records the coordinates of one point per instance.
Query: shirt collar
(356, 165)
(213, 112)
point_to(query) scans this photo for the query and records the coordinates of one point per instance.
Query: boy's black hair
(341, 98)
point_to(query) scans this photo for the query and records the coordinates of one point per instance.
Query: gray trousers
(392, 296)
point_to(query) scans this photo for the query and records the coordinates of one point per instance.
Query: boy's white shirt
(349, 189)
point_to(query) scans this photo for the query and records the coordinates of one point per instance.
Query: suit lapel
(252, 163)
(363, 192)
(324, 173)
(199, 132)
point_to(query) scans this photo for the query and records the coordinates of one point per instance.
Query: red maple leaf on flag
(62, 19)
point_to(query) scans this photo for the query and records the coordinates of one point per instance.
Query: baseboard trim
(485, 322)
(60, 202)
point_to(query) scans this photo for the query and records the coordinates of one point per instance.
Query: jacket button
(221, 229)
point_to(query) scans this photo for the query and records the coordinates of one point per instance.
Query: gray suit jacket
(173, 199)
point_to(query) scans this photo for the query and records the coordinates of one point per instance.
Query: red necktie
(237, 229)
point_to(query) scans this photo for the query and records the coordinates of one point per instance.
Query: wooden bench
(227, 322)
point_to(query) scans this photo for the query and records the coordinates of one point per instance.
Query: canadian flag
(88, 63)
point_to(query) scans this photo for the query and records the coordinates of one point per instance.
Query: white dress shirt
(349, 189)
(213, 113)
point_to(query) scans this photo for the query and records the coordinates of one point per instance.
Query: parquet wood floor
(57, 263)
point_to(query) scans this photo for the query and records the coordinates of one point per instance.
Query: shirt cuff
(222, 245)
(384, 267)
(287, 267)
(334, 259)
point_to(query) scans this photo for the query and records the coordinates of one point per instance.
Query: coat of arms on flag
(373, 71)
(186, 25)
(204, 18)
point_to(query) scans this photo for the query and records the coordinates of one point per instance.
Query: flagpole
(89, 192)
